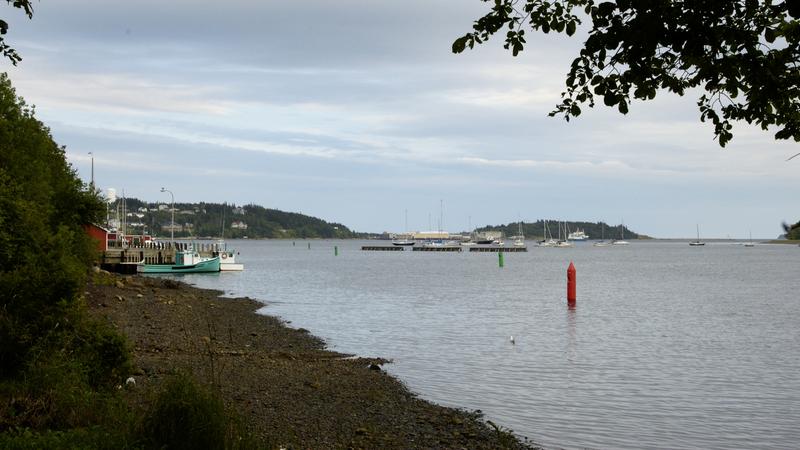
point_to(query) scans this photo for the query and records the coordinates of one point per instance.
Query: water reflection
(572, 334)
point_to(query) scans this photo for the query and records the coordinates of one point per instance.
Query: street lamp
(91, 155)
(172, 208)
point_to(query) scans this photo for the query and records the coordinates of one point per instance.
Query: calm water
(670, 346)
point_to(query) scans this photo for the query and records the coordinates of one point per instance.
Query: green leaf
(460, 44)
(769, 35)
(570, 28)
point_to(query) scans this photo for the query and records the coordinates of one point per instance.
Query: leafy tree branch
(742, 53)
(6, 49)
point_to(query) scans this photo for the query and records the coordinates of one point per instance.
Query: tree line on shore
(535, 230)
(216, 220)
(61, 370)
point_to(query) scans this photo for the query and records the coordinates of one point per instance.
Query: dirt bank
(291, 390)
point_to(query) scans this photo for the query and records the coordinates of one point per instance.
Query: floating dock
(499, 249)
(437, 249)
(382, 248)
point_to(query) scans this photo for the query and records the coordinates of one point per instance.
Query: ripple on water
(670, 346)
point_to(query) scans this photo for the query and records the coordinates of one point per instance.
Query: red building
(98, 234)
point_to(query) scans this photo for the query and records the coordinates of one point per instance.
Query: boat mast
(222, 232)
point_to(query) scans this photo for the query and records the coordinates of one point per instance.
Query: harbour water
(670, 346)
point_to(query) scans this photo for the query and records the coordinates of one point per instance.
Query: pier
(499, 249)
(382, 248)
(123, 259)
(437, 249)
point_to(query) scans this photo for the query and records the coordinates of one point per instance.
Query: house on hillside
(238, 225)
(169, 227)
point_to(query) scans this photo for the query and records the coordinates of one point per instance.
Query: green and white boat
(186, 261)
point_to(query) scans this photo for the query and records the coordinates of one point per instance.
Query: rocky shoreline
(287, 387)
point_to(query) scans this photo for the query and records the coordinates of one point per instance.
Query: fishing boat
(697, 243)
(186, 261)
(227, 258)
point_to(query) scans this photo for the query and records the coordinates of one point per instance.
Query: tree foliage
(44, 253)
(535, 230)
(6, 49)
(792, 231)
(207, 219)
(742, 53)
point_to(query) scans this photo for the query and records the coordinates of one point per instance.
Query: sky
(357, 112)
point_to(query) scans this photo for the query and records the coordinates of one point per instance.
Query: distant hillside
(535, 230)
(206, 220)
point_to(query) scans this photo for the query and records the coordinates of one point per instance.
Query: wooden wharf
(382, 248)
(438, 249)
(123, 259)
(499, 249)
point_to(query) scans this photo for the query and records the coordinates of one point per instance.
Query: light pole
(91, 155)
(172, 208)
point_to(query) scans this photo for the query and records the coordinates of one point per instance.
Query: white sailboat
(622, 240)
(602, 242)
(405, 240)
(697, 243)
(545, 242)
(565, 243)
(750, 242)
(519, 239)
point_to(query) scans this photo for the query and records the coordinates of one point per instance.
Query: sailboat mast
(222, 232)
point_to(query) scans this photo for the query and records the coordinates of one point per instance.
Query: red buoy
(571, 284)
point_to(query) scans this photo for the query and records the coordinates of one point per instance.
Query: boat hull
(205, 266)
(403, 243)
(231, 267)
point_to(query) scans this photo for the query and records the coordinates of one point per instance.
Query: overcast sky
(355, 111)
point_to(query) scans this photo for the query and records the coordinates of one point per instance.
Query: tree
(792, 231)
(6, 49)
(742, 53)
(44, 252)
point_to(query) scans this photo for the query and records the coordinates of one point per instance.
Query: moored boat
(698, 242)
(403, 242)
(578, 235)
(186, 261)
(227, 261)
(227, 258)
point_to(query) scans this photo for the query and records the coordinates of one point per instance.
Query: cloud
(365, 99)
